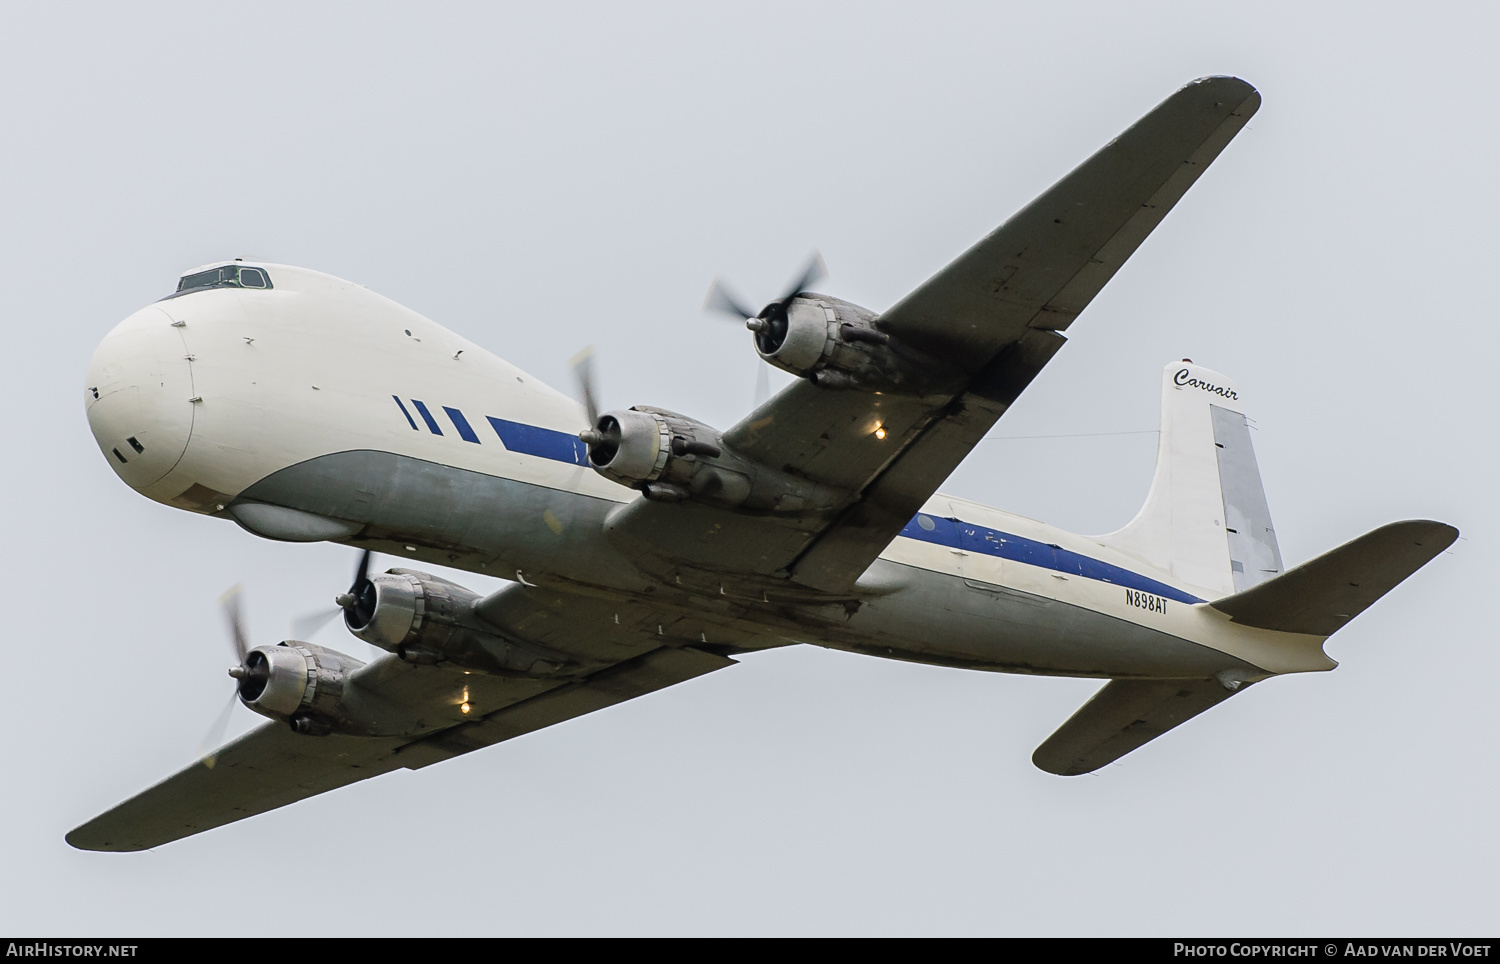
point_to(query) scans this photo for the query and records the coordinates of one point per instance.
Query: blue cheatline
(969, 537)
(541, 442)
(955, 534)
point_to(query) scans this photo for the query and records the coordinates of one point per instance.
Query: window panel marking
(427, 417)
(462, 424)
(409, 420)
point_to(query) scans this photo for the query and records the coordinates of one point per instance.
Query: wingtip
(1423, 531)
(95, 839)
(1224, 80)
(1236, 92)
(1058, 768)
(81, 842)
(1440, 532)
(78, 840)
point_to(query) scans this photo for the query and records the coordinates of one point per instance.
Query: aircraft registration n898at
(643, 548)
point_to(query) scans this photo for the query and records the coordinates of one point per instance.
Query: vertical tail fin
(1205, 520)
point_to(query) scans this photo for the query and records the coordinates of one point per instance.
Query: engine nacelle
(633, 447)
(838, 345)
(306, 686)
(425, 619)
(659, 452)
(673, 458)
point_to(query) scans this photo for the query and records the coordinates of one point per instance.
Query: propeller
(770, 323)
(360, 598)
(583, 378)
(252, 677)
(239, 641)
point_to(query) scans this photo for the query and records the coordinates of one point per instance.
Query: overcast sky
(542, 176)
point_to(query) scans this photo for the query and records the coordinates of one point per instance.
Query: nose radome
(139, 397)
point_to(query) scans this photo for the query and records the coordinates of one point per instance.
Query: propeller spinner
(770, 323)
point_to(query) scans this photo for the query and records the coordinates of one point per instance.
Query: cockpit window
(229, 276)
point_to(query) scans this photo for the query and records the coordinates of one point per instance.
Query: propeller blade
(583, 375)
(361, 572)
(720, 299)
(762, 385)
(234, 617)
(306, 626)
(360, 600)
(208, 751)
(815, 271)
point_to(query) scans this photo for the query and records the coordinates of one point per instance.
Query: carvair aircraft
(645, 548)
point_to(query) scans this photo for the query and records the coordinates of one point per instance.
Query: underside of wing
(978, 332)
(627, 651)
(1043, 266)
(268, 767)
(845, 548)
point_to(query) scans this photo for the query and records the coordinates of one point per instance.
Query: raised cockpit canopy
(226, 276)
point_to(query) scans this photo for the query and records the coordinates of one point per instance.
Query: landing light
(880, 432)
(464, 707)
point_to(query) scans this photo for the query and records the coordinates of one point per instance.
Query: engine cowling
(631, 447)
(673, 458)
(425, 619)
(662, 453)
(306, 686)
(840, 345)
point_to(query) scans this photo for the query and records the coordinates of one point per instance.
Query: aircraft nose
(139, 397)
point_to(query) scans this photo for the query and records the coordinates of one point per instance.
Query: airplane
(642, 548)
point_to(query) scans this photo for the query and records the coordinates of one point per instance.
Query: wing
(995, 316)
(271, 766)
(1043, 266)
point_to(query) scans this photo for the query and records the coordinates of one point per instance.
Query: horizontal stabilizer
(1319, 597)
(1125, 714)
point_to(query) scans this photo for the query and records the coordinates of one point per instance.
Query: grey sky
(539, 177)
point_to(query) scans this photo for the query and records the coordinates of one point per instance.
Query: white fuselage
(222, 398)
